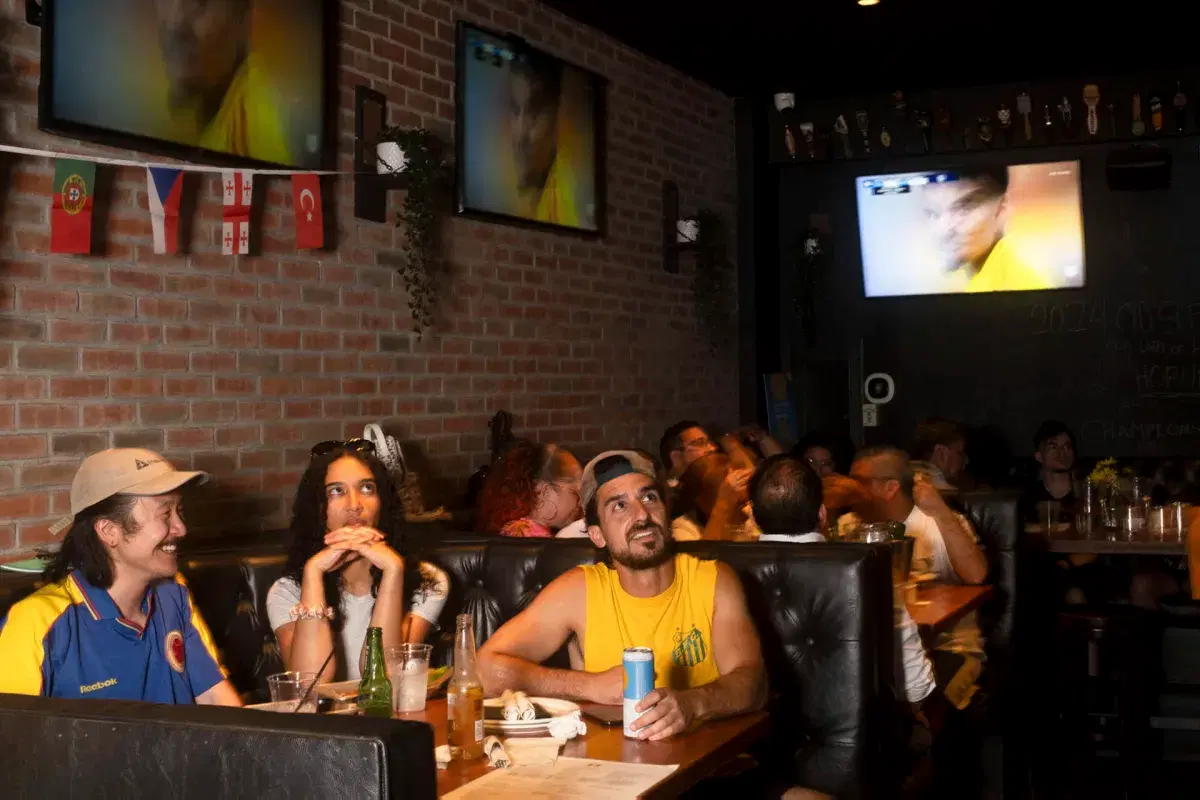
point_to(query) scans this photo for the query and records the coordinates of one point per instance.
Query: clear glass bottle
(464, 696)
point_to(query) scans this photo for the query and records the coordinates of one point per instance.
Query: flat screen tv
(230, 80)
(1014, 228)
(530, 143)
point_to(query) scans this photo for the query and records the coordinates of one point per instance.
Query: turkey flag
(306, 203)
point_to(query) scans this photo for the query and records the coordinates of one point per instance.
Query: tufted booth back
(997, 519)
(823, 612)
(97, 748)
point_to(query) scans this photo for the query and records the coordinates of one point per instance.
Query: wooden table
(1070, 540)
(698, 753)
(940, 605)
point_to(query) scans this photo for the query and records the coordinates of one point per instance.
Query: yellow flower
(1105, 472)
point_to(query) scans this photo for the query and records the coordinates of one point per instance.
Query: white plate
(553, 706)
(347, 691)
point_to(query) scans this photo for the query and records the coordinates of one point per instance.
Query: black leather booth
(823, 611)
(95, 748)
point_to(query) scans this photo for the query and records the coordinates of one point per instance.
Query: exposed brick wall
(238, 364)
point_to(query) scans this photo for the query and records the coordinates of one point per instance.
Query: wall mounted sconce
(378, 164)
(679, 235)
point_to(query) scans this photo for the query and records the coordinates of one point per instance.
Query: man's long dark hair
(82, 549)
(308, 526)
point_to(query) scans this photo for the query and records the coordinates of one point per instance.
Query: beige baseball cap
(609, 465)
(124, 470)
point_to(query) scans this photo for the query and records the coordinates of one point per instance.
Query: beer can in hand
(639, 682)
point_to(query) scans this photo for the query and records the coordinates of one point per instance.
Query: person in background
(939, 450)
(713, 492)
(1054, 451)
(691, 613)
(219, 96)
(787, 499)
(817, 453)
(345, 569)
(944, 544)
(114, 620)
(968, 216)
(681, 444)
(531, 492)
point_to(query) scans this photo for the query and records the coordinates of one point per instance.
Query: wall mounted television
(1007, 228)
(234, 81)
(530, 142)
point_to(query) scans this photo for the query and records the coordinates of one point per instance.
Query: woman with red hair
(531, 491)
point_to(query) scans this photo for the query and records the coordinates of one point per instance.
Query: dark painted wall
(1119, 359)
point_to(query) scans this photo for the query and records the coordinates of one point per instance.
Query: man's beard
(648, 560)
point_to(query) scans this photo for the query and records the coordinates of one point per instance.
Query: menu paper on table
(580, 778)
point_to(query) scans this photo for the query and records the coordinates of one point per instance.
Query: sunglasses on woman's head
(355, 445)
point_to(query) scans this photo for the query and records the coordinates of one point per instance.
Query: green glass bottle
(375, 690)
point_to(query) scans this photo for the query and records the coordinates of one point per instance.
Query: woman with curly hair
(531, 491)
(346, 569)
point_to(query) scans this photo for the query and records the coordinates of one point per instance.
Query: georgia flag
(238, 191)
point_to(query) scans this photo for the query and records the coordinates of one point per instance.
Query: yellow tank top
(676, 625)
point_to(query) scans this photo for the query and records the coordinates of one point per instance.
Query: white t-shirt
(914, 671)
(576, 530)
(426, 602)
(929, 553)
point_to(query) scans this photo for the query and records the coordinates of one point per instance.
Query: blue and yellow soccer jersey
(68, 639)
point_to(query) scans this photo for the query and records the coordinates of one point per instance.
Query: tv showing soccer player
(242, 78)
(1002, 229)
(530, 134)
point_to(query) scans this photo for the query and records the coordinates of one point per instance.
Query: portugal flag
(71, 207)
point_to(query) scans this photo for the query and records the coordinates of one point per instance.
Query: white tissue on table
(567, 726)
(525, 710)
(441, 755)
(497, 756)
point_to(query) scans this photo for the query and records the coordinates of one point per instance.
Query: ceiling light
(868, 2)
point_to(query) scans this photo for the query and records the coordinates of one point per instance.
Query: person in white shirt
(345, 569)
(786, 499)
(944, 544)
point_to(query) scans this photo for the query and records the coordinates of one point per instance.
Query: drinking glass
(408, 670)
(872, 532)
(289, 687)
(1157, 522)
(1133, 521)
(1048, 514)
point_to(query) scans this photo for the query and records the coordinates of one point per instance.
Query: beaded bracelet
(299, 611)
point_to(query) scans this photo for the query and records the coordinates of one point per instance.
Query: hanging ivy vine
(426, 177)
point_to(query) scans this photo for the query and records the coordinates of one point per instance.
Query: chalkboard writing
(1165, 318)
(1137, 361)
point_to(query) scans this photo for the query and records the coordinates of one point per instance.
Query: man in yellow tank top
(218, 94)
(691, 613)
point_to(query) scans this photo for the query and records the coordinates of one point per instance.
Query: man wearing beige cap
(691, 613)
(115, 620)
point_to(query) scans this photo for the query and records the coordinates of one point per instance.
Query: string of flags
(71, 203)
